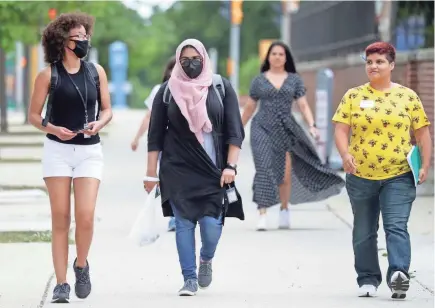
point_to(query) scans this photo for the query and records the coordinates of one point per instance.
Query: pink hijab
(191, 94)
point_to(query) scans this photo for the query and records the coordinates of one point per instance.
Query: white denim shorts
(71, 160)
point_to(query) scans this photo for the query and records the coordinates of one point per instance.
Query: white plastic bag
(146, 229)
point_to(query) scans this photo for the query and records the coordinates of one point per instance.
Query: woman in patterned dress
(286, 162)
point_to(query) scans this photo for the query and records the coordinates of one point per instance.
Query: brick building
(413, 69)
(334, 34)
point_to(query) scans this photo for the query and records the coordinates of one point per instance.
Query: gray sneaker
(83, 280)
(189, 289)
(61, 293)
(205, 274)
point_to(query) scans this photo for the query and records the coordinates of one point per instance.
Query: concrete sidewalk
(420, 228)
(310, 265)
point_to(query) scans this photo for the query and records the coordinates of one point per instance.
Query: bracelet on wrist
(151, 179)
(232, 167)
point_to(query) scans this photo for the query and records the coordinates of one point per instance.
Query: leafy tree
(150, 42)
(209, 22)
(18, 21)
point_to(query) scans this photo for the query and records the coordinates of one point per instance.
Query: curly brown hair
(55, 35)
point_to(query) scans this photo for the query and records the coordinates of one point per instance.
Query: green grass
(384, 254)
(23, 133)
(20, 144)
(8, 237)
(31, 133)
(23, 187)
(19, 160)
(27, 187)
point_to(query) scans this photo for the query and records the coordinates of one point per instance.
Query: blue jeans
(393, 198)
(211, 230)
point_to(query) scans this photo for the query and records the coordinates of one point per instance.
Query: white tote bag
(148, 225)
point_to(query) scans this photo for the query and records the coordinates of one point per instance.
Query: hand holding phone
(63, 133)
(87, 127)
(93, 128)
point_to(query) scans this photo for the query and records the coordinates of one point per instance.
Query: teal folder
(414, 161)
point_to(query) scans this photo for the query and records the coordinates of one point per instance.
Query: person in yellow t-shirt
(377, 118)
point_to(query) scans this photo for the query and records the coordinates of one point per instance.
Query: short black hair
(55, 35)
(169, 67)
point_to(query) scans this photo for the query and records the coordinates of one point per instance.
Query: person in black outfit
(200, 137)
(72, 149)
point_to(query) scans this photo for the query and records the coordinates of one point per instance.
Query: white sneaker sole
(367, 294)
(60, 301)
(367, 291)
(261, 226)
(186, 293)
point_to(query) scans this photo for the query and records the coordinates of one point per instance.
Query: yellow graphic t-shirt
(380, 124)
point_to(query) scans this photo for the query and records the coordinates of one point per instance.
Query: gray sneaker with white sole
(205, 274)
(61, 293)
(83, 284)
(189, 288)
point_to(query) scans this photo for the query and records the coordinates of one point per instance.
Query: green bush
(138, 94)
(248, 70)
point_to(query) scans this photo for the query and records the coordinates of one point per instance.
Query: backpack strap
(167, 96)
(53, 85)
(218, 86)
(92, 71)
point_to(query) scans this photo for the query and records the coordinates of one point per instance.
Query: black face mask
(192, 67)
(81, 49)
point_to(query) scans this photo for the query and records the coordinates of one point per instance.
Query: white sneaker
(284, 219)
(399, 284)
(367, 290)
(262, 224)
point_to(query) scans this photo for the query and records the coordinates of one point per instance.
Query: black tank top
(68, 109)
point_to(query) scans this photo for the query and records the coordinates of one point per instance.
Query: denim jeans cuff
(205, 260)
(372, 282)
(190, 277)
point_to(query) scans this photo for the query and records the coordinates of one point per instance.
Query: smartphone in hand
(81, 130)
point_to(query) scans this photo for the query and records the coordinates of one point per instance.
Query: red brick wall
(420, 78)
(415, 74)
(346, 78)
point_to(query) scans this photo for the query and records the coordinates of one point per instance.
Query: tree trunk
(3, 101)
(26, 85)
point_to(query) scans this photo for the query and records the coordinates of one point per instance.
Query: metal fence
(413, 25)
(327, 29)
(332, 28)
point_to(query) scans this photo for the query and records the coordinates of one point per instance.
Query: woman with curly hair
(72, 150)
